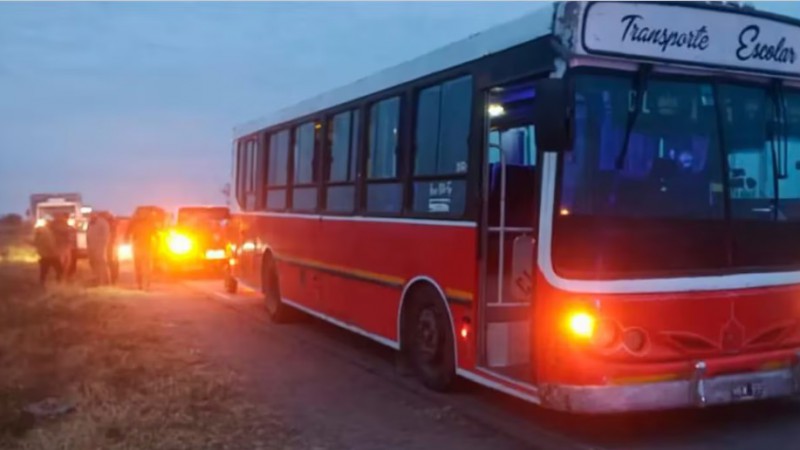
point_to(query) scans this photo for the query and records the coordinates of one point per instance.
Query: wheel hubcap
(427, 335)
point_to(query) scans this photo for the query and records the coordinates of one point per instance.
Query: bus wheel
(430, 343)
(277, 310)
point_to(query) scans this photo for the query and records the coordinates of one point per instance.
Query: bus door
(511, 198)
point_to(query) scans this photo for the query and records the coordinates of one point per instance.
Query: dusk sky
(132, 103)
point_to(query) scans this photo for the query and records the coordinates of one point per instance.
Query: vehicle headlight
(179, 244)
(40, 223)
(124, 252)
(215, 254)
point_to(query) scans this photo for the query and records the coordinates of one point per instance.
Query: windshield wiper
(776, 133)
(640, 86)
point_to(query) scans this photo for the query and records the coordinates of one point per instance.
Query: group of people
(56, 245)
(56, 242)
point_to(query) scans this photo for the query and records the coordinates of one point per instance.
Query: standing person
(65, 237)
(97, 237)
(142, 236)
(111, 249)
(45, 242)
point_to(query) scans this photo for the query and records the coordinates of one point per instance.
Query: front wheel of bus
(277, 310)
(431, 344)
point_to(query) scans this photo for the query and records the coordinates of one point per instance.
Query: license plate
(747, 391)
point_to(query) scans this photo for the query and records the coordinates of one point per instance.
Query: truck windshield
(200, 216)
(709, 180)
(49, 212)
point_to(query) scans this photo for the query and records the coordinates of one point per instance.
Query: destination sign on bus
(691, 35)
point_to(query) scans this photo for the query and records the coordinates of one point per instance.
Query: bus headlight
(179, 244)
(39, 223)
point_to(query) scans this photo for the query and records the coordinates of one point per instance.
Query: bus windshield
(709, 179)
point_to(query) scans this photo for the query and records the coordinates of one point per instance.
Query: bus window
(384, 197)
(304, 194)
(277, 170)
(789, 185)
(441, 147)
(340, 171)
(383, 137)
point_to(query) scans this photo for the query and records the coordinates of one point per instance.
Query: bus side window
(277, 170)
(341, 163)
(384, 192)
(441, 147)
(304, 191)
(241, 167)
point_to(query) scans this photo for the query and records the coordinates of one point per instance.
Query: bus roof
(528, 27)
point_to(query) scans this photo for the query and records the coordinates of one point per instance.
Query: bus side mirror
(552, 116)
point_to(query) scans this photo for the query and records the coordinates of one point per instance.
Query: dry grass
(132, 387)
(13, 249)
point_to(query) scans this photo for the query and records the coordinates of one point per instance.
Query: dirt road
(316, 386)
(337, 392)
(340, 391)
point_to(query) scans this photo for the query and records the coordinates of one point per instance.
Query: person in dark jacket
(111, 252)
(49, 258)
(97, 240)
(66, 242)
(142, 234)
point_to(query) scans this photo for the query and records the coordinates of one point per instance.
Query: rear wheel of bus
(278, 311)
(429, 336)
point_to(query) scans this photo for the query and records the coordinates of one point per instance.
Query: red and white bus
(595, 207)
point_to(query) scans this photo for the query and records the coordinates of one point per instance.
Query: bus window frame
(400, 177)
(286, 187)
(315, 164)
(354, 158)
(470, 181)
(240, 170)
(248, 154)
(729, 227)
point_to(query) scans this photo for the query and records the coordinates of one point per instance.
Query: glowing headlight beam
(179, 244)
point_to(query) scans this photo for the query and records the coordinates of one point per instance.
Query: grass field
(129, 386)
(14, 245)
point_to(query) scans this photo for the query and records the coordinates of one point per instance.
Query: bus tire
(278, 311)
(428, 340)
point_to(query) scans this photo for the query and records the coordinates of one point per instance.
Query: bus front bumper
(697, 392)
